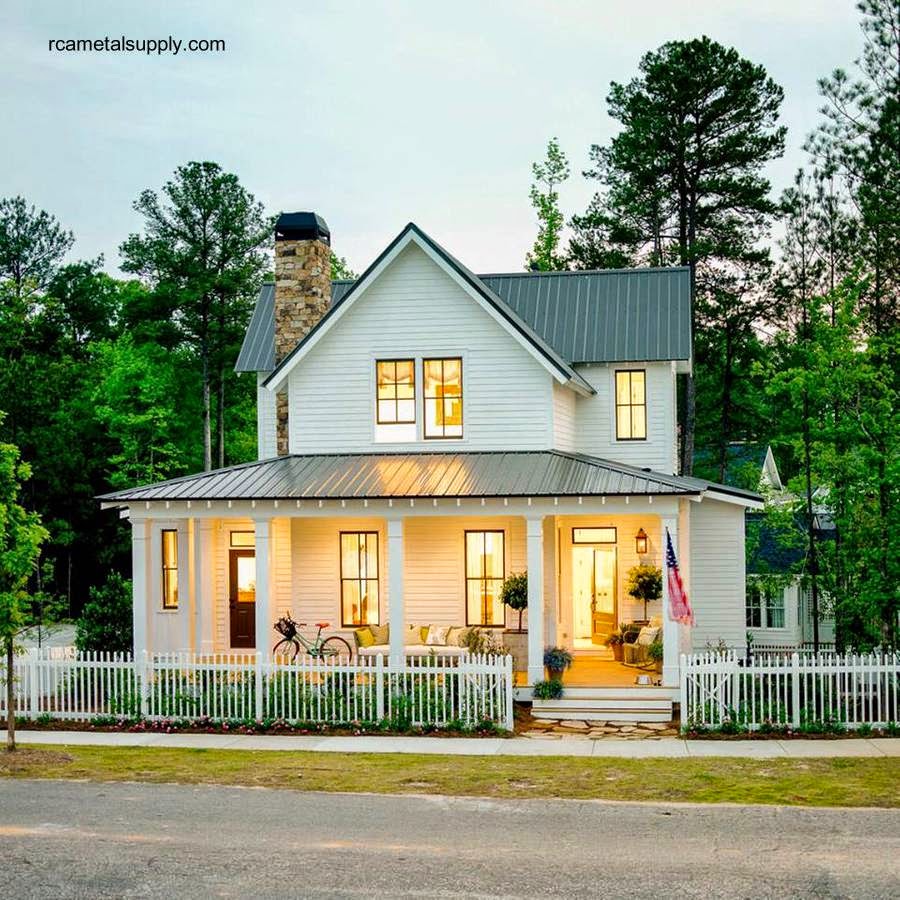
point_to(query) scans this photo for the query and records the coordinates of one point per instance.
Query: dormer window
(395, 391)
(443, 398)
(631, 405)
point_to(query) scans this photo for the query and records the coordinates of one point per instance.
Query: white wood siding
(265, 419)
(415, 309)
(717, 573)
(595, 417)
(564, 418)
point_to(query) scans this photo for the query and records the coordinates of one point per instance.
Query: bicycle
(318, 648)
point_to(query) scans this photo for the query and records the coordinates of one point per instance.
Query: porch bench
(453, 648)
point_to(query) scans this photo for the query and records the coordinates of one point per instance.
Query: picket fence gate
(419, 691)
(790, 690)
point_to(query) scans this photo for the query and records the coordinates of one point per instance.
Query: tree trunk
(220, 420)
(725, 421)
(811, 522)
(10, 709)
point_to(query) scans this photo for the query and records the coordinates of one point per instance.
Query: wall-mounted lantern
(641, 542)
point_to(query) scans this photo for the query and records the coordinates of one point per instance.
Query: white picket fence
(420, 691)
(789, 690)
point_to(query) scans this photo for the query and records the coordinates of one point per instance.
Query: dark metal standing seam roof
(547, 473)
(615, 315)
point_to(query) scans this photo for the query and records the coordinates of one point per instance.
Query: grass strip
(800, 782)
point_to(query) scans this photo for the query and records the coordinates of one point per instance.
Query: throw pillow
(380, 633)
(437, 635)
(412, 636)
(364, 637)
(453, 636)
(647, 636)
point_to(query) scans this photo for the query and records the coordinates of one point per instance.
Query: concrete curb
(662, 748)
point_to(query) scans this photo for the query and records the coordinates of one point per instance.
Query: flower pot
(517, 644)
(555, 674)
(618, 652)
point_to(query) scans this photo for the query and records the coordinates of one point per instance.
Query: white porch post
(140, 588)
(263, 529)
(396, 606)
(671, 628)
(204, 613)
(534, 528)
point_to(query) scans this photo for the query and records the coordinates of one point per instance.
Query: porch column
(140, 584)
(671, 628)
(396, 606)
(263, 529)
(534, 529)
(204, 612)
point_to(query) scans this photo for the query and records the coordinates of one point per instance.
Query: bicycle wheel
(335, 646)
(286, 647)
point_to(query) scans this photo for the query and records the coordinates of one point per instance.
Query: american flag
(679, 605)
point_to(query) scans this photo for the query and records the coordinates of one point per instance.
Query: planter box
(517, 644)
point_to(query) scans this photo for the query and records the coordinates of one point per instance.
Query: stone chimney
(302, 291)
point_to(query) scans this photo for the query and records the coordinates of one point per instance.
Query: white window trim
(183, 540)
(613, 425)
(420, 440)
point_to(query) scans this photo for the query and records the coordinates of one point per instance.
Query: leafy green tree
(340, 269)
(21, 536)
(686, 174)
(548, 176)
(106, 623)
(202, 252)
(139, 399)
(32, 245)
(860, 139)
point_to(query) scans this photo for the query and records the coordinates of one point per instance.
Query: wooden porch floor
(597, 670)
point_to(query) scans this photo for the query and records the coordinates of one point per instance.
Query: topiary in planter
(514, 594)
(644, 583)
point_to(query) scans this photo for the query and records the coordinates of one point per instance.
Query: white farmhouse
(425, 432)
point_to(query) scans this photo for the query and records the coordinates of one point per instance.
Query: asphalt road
(67, 839)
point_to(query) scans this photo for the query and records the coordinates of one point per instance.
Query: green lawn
(808, 782)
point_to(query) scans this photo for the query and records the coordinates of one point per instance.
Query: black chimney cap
(302, 226)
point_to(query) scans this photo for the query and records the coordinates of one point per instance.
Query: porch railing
(790, 690)
(427, 691)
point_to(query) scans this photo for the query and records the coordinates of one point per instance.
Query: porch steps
(612, 704)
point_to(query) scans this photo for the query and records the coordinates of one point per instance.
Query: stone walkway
(556, 729)
(555, 745)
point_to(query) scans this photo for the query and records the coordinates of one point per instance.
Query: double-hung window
(169, 537)
(359, 578)
(484, 578)
(765, 608)
(395, 391)
(631, 405)
(443, 395)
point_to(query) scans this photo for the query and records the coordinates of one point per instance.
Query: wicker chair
(636, 653)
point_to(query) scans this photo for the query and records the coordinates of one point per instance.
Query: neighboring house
(779, 617)
(423, 433)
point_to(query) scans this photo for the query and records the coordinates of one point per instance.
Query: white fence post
(379, 687)
(508, 687)
(142, 681)
(258, 685)
(795, 690)
(33, 683)
(683, 689)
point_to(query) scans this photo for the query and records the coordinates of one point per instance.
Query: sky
(372, 114)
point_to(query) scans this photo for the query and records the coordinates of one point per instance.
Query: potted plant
(615, 642)
(655, 655)
(644, 583)
(557, 660)
(514, 594)
(547, 690)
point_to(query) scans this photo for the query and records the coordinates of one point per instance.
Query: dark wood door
(242, 597)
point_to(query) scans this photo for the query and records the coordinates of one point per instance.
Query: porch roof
(549, 473)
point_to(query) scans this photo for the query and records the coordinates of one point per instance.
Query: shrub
(548, 690)
(655, 651)
(106, 622)
(514, 594)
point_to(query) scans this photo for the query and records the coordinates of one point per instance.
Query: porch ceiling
(417, 475)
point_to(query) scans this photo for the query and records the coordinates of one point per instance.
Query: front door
(242, 597)
(594, 591)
